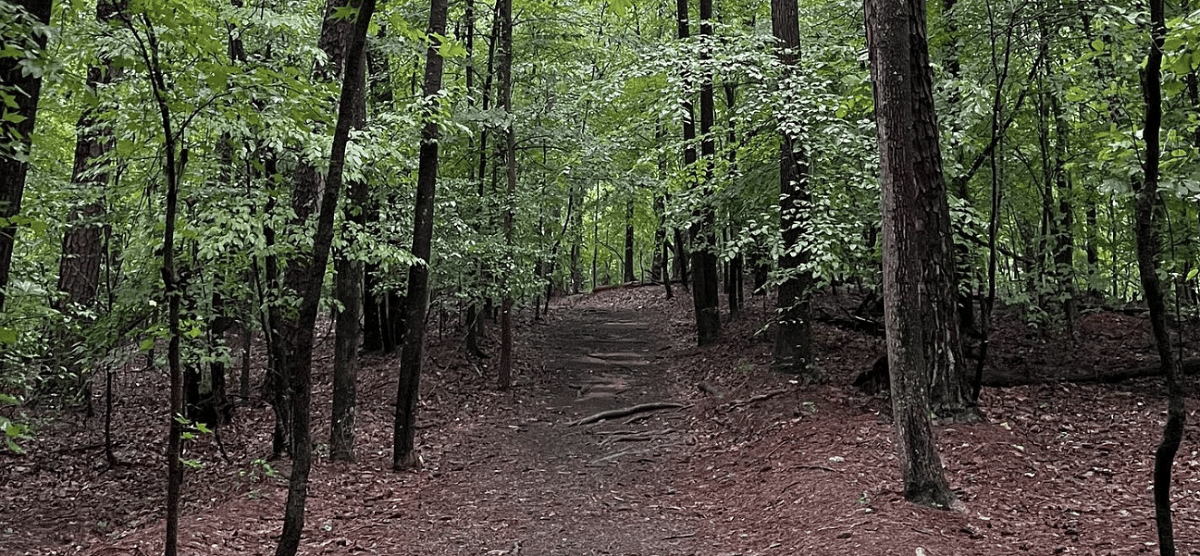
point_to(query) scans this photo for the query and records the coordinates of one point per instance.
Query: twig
(614, 413)
(760, 397)
(683, 536)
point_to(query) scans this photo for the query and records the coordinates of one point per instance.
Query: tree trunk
(298, 332)
(793, 351)
(504, 101)
(408, 392)
(950, 387)
(630, 276)
(1147, 255)
(889, 46)
(348, 290)
(16, 135)
(705, 277)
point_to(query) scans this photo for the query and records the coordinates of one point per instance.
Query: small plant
(744, 366)
(259, 469)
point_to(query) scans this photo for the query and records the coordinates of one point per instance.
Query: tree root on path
(622, 412)
(635, 437)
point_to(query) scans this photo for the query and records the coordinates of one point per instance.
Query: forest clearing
(1057, 468)
(598, 276)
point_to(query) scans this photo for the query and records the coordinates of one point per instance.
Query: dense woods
(183, 182)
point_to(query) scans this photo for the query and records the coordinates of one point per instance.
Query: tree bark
(408, 392)
(348, 289)
(950, 387)
(889, 46)
(16, 137)
(793, 351)
(705, 277)
(504, 101)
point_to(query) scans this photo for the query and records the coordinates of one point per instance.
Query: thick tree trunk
(404, 433)
(950, 387)
(888, 39)
(16, 136)
(793, 352)
(83, 243)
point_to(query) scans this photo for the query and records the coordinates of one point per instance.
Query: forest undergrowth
(747, 462)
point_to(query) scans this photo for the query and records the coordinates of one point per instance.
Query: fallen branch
(759, 397)
(622, 412)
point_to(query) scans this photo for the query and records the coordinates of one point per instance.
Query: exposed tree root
(624, 411)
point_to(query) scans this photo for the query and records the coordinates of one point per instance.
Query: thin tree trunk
(1147, 254)
(299, 332)
(149, 51)
(705, 277)
(404, 432)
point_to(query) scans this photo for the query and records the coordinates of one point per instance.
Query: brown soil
(752, 464)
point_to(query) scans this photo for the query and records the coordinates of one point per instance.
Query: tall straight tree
(504, 91)
(404, 431)
(689, 143)
(1145, 223)
(288, 329)
(904, 219)
(950, 388)
(793, 351)
(348, 288)
(300, 341)
(705, 291)
(16, 128)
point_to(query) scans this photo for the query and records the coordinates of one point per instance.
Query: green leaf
(1098, 45)
(8, 336)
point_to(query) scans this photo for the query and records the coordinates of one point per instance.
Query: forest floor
(749, 463)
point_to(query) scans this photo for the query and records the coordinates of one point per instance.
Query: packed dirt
(721, 458)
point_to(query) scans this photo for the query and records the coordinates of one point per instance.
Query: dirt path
(805, 470)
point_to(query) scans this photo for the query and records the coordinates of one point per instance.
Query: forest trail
(755, 465)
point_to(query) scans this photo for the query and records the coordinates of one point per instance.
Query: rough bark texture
(404, 433)
(1147, 255)
(950, 388)
(15, 139)
(793, 350)
(888, 35)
